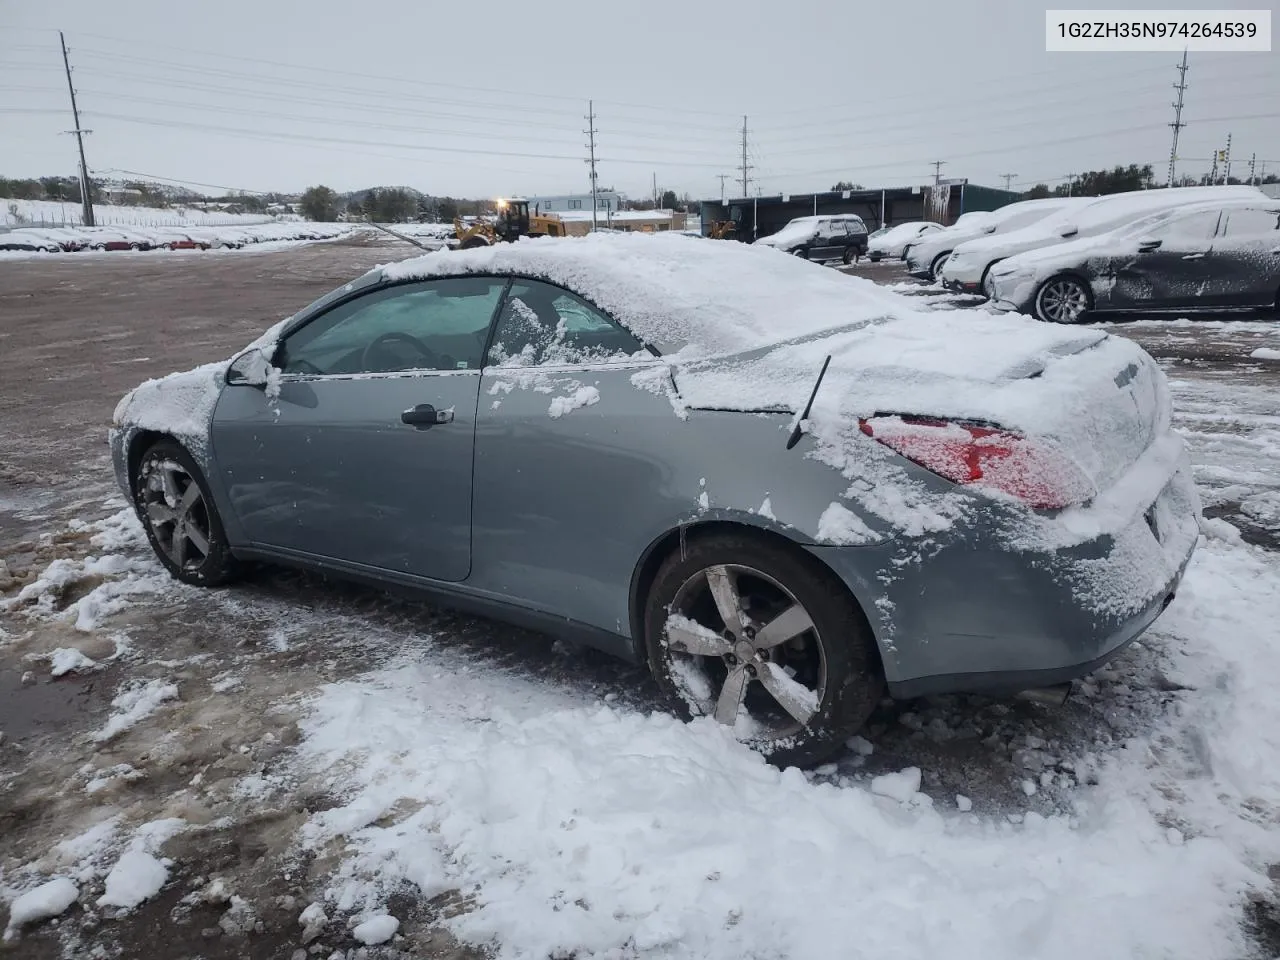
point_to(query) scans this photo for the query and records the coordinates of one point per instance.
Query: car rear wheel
(179, 517)
(801, 252)
(850, 254)
(938, 261)
(1063, 299)
(765, 641)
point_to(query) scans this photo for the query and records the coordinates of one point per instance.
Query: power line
(290, 137)
(86, 200)
(1181, 87)
(398, 80)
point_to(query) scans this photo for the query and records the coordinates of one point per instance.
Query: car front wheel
(1063, 300)
(936, 266)
(850, 254)
(180, 519)
(765, 641)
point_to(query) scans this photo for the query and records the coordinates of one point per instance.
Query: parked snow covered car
(179, 238)
(928, 253)
(967, 268)
(29, 240)
(1212, 257)
(595, 437)
(117, 238)
(892, 242)
(840, 236)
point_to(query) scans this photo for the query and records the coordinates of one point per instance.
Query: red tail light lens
(1037, 473)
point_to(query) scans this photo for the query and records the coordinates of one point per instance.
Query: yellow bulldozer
(723, 230)
(513, 221)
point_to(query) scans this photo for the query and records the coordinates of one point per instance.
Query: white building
(564, 203)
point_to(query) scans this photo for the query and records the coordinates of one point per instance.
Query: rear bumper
(974, 614)
(1004, 682)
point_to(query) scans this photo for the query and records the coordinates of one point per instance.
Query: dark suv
(841, 236)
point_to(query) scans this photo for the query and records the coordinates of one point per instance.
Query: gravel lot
(226, 674)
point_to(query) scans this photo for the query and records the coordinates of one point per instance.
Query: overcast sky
(489, 98)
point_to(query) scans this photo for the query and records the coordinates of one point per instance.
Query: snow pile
(839, 524)
(118, 578)
(48, 900)
(137, 876)
(581, 397)
(375, 930)
(1265, 353)
(599, 832)
(135, 702)
(66, 660)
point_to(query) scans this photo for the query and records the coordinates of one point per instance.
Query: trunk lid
(1100, 400)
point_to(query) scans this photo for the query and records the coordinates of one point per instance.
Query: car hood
(1100, 399)
(932, 244)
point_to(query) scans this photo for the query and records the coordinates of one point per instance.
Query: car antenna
(398, 236)
(797, 432)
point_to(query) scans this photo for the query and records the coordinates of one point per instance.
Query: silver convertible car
(780, 487)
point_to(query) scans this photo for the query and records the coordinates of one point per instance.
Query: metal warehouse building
(755, 217)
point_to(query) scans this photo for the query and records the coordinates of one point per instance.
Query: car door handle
(1193, 256)
(424, 416)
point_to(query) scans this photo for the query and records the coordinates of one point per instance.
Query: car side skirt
(453, 596)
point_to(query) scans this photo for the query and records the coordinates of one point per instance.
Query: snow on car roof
(677, 292)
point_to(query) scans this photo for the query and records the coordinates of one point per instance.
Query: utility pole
(1181, 87)
(745, 166)
(723, 177)
(655, 190)
(937, 172)
(86, 199)
(1226, 157)
(591, 156)
(1253, 160)
(1008, 179)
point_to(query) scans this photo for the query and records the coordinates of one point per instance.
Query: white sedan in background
(891, 242)
(968, 269)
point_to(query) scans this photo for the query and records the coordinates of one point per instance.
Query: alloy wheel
(1062, 300)
(176, 510)
(743, 650)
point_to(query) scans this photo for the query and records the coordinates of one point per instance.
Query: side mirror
(251, 369)
(1148, 244)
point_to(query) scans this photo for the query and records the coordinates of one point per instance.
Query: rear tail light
(1036, 472)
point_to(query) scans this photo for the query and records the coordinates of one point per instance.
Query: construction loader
(512, 221)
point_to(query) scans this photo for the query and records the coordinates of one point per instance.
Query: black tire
(938, 261)
(1044, 294)
(986, 275)
(162, 512)
(850, 255)
(800, 252)
(837, 652)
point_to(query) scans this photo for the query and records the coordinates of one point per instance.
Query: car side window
(1195, 229)
(1251, 224)
(543, 325)
(431, 325)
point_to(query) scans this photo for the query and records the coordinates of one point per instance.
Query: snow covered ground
(295, 764)
(54, 213)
